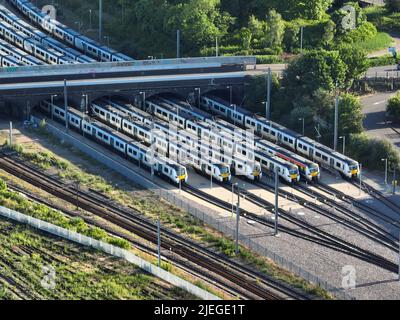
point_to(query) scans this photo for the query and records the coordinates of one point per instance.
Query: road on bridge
(375, 123)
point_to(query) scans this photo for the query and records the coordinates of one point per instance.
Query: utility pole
(66, 105)
(11, 134)
(216, 46)
(233, 190)
(100, 20)
(159, 242)
(152, 148)
(360, 177)
(178, 44)
(335, 135)
(268, 103)
(394, 180)
(301, 39)
(344, 143)
(386, 169)
(276, 201)
(237, 221)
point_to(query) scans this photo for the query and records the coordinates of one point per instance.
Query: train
(308, 169)
(159, 135)
(31, 46)
(9, 61)
(206, 127)
(244, 158)
(20, 55)
(69, 36)
(39, 36)
(278, 134)
(118, 142)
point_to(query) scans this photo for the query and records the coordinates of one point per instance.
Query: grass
(17, 202)
(384, 20)
(170, 216)
(79, 272)
(382, 40)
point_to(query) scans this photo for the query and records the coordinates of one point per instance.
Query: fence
(107, 248)
(130, 65)
(203, 213)
(208, 216)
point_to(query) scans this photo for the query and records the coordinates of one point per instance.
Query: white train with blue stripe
(69, 36)
(281, 135)
(159, 134)
(35, 34)
(118, 142)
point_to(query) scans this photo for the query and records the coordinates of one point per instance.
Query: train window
(317, 154)
(240, 166)
(338, 164)
(325, 158)
(125, 125)
(100, 135)
(273, 133)
(285, 139)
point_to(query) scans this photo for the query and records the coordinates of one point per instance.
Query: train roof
(173, 109)
(327, 150)
(187, 106)
(130, 107)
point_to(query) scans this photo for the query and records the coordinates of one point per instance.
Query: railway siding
(107, 248)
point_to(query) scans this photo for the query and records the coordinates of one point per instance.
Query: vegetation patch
(36, 266)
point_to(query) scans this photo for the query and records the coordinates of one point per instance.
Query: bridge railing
(100, 66)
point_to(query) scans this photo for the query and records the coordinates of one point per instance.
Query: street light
(386, 169)
(344, 143)
(233, 193)
(52, 103)
(230, 94)
(199, 90)
(302, 119)
(108, 40)
(143, 93)
(90, 19)
(234, 113)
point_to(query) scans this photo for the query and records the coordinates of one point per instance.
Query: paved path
(375, 123)
(385, 51)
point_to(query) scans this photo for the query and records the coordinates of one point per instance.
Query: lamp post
(386, 169)
(233, 193)
(230, 94)
(52, 103)
(90, 19)
(143, 94)
(344, 143)
(199, 96)
(234, 113)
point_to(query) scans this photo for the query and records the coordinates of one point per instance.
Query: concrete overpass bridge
(22, 88)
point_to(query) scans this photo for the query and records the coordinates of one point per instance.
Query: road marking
(379, 102)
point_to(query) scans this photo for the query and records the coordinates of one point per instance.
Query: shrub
(393, 106)
(369, 151)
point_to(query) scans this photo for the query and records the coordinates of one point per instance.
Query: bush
(369, 151)
(393, 107)
(3, 185)
(267, 59)
(381, 61)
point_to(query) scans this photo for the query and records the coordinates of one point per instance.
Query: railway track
(319, 236)
(245, 280)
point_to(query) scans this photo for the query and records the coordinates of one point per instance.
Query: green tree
(393, 5)
(328, 34)
(356, 62)
(200, 22)
(393, 106)
(291, 37)
(275, 31)
(350, 115)
(245, 37)
(313, 70)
